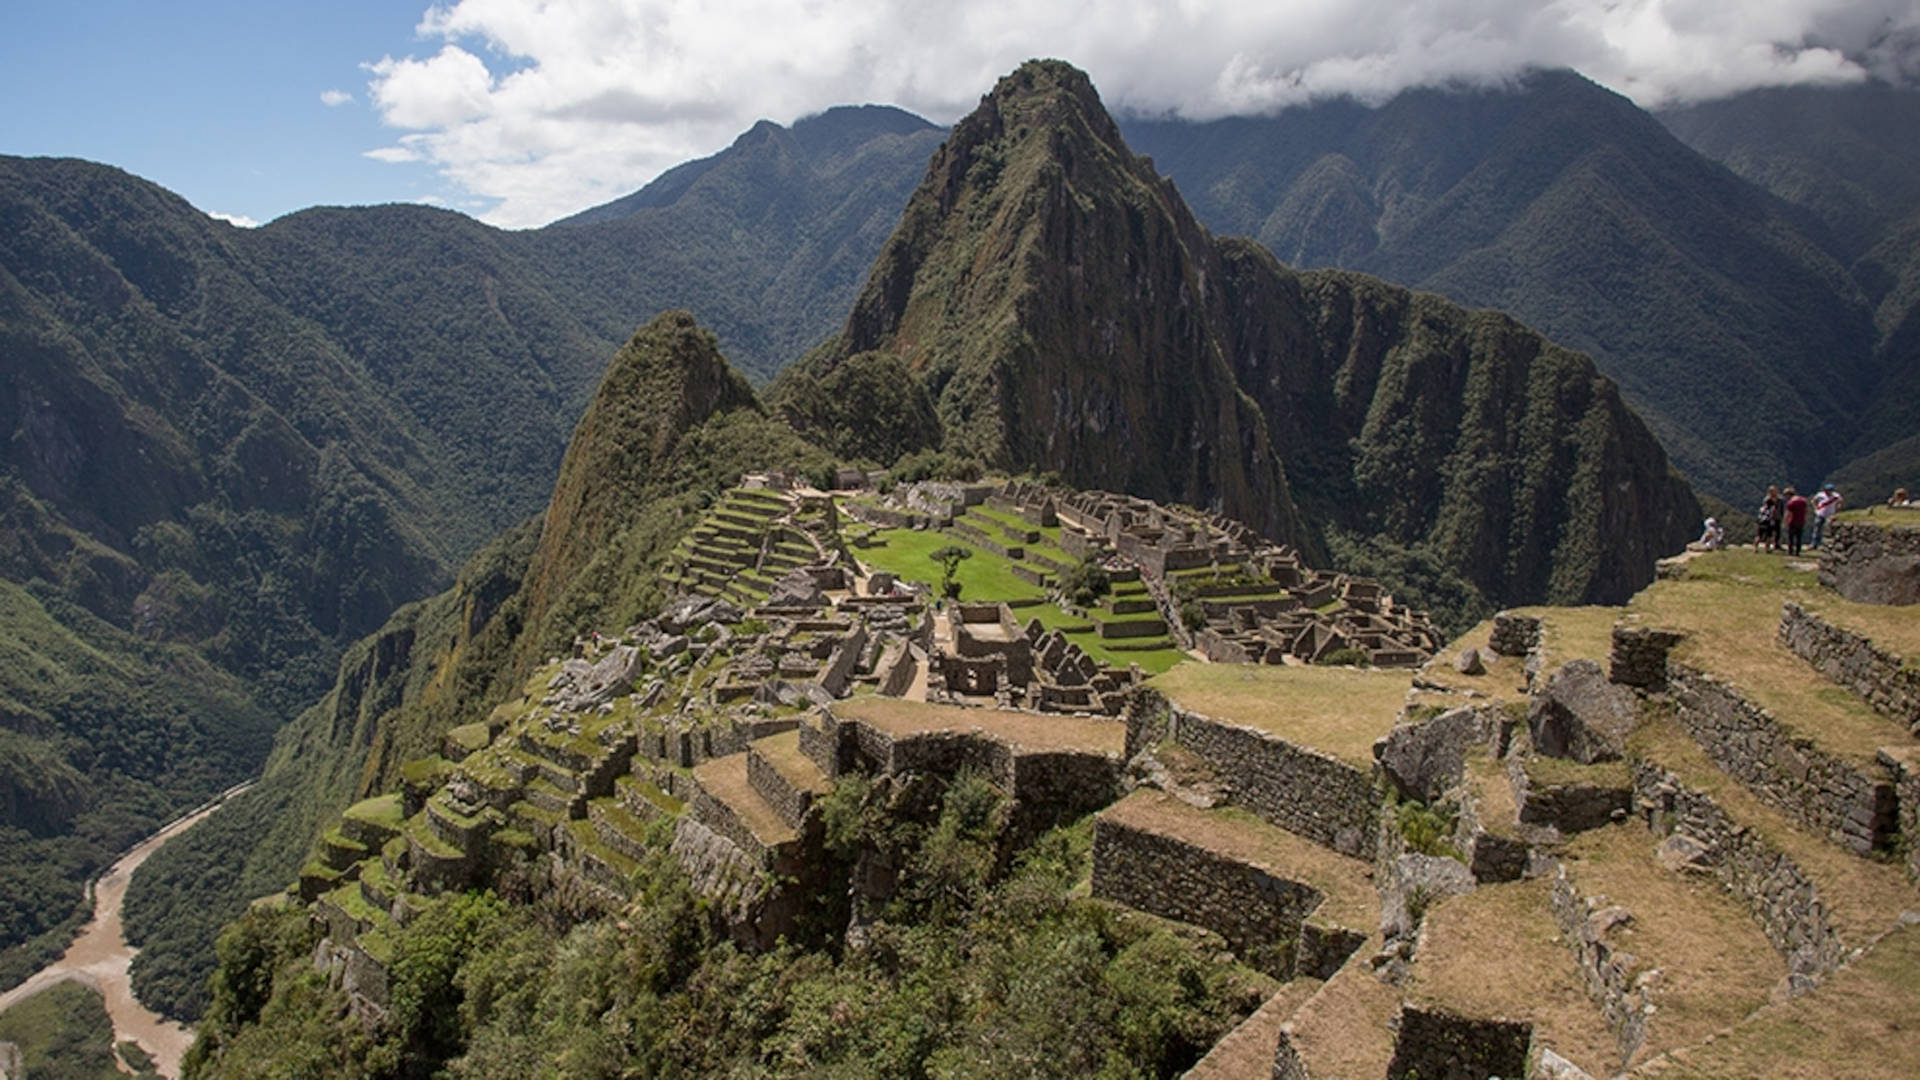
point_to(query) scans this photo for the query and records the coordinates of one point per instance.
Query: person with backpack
(1768, 532)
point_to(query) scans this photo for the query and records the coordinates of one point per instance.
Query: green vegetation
(1086, 583)
(64, 1034)
(949, 558)
(964, 974)
(908, 554)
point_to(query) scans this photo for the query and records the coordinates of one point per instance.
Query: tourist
(1826, 504)
(1712, 537)
(1899, 498)
(1768, 532)
(1796, 512)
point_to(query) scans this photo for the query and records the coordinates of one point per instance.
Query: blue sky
(219, 102)
(522, 111)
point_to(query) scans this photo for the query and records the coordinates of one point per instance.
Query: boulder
(1581, 715)
(1469, 662)
(1425, 759)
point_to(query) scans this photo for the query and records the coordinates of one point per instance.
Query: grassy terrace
(1895, 629)
(1862, 897)
(1339, 711)
(1864, 1015)
(1729, 607)
(1496, 952)
(1030, 731)
(1347, 884)
(1049, 535)
(1715, 965)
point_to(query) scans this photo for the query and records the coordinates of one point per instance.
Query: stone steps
(598, 863)
(1286, 905)
(724, 800)
(785, 777)
(644, 800)
(617, 828)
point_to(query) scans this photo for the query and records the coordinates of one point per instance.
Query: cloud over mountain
(545, 108)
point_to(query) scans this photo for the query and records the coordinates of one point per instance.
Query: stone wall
(1817, 789)
(1257, 912)
(1872, 563)
(1780, 895)
(1878, 677)
(1437, 1043)
(1514, 635)
(1904, 764)
(1640, 656)
(1302, 790)
(1611, 973)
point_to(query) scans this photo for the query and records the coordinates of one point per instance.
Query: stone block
(1582, 715)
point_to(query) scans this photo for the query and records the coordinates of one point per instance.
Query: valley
(990, 620)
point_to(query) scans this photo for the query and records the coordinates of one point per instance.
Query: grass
(984, 578)
(1861, 897)
(1716, 967)
(1347, 1028)
(725, 779)
(1858, 1024)
(1339, 711)
(382, 810)
(1496, 952)
(1728, 605)
(1347, 884)
(1894, 629)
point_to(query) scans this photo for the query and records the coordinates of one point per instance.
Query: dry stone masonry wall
(1872, 563)
(1878, 677)
(1825, 792)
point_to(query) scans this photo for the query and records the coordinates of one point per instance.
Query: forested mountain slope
(250, 446)
(1743, 342)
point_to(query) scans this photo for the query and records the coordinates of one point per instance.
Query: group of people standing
(1786, 512)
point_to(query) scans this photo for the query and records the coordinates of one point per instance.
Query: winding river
(100, 956)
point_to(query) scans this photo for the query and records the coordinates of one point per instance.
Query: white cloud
(241, 220)
(333, 99)
(549, 106)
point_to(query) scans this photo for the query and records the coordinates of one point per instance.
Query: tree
(949, 558)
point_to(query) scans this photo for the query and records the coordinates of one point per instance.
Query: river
(99, 958)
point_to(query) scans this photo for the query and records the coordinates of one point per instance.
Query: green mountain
(1849, 158)
(1744, 343)
(235, 452)
(1059, 309)
(671, 425)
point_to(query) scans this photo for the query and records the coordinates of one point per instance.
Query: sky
(523, 111)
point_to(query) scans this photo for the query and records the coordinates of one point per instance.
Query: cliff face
(1048, 291)
(1060, 307)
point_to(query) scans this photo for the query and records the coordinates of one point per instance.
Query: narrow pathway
(99, 958)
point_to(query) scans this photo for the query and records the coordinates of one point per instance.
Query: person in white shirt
(1825, 504)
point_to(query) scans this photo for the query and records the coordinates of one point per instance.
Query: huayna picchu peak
(1112, 652)
(1061, 310)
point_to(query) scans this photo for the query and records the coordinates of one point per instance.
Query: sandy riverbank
(99, 958)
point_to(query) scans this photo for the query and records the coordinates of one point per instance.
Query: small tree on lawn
(949, 558)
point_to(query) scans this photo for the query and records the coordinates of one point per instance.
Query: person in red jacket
(1796, 513)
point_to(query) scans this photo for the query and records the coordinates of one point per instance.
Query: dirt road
(100, 956)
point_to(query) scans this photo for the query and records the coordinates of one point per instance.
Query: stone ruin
(993, 657)
(1260, 602)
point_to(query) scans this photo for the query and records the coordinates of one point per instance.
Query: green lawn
(984, 577)
(989, 577)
